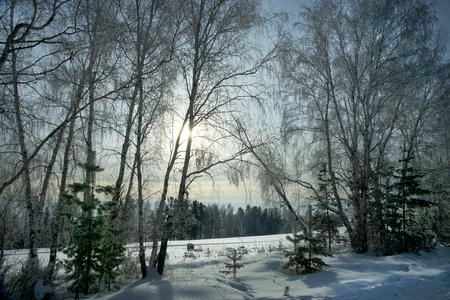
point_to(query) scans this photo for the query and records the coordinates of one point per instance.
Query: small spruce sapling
(280, 246)
(234, 265)
(304, 256)
(286, 291)
(325, 222)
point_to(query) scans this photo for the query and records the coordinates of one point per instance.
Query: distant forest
(214, 221)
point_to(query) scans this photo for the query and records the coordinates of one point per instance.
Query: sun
(185, 134)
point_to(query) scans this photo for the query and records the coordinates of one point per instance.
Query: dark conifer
(306, 249)
(404, 204)
(93, 253)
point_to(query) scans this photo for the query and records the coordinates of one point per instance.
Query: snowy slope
(349, 276)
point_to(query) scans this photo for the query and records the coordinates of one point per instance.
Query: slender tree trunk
(141, 229)
(127, 217)
(126, 142)
(2, 237)
(141, 48)
(48, 173)
(33, 261)
(158, 223)
(310, 235)
(333, 179)
(182, 187)
(160, 260)
(57, 223)
(140, 137)
(62, 188)
(330, 227)
(123, 154)
(90, 154)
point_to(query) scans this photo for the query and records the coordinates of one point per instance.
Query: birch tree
(351, 71)
(27, 57)
(152, 30)
(22, 63)
(33, 19)
(215, 55)
(91, 65)
(79, 88)
(30, 27)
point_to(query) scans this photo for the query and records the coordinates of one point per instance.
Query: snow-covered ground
(349, 276)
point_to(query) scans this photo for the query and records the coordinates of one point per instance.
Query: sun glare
(197, 133)
(185, 134)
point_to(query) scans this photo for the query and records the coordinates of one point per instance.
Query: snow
(349, 276)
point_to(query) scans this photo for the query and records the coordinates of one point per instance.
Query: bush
(130, 266)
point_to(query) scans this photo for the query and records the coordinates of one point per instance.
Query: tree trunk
(126, 141)
(140, 137)
(182, 187)
(334, 182)
(33, 261)
(181, 194)
(360, 244)
(190, 118)
(161, 259)
(310, 236)
(123, 154)
(141, 229)
(158, 223)
(48, 274)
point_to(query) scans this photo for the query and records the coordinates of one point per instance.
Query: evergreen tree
(304, 256)
(324, 221)
(234, 265)
(326, 224)
(93, 253)
(405, 202)
(112, 250)
(295, 256)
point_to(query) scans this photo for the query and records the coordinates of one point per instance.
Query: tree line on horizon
(214, 221)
